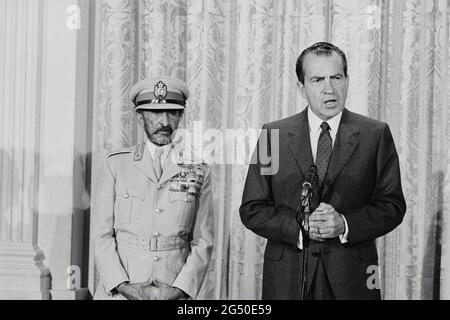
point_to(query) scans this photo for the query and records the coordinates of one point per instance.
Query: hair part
(319, 49)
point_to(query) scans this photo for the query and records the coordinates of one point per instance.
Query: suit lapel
(300, 144)
(345, 145)
(145, 165)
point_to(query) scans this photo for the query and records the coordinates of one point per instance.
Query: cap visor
(160, 106)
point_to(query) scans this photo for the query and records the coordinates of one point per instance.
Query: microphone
(307, 188)
(310, 182)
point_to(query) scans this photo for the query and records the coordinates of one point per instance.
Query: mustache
(167, 129)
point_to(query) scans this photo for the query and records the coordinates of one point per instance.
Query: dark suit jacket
(362, 183)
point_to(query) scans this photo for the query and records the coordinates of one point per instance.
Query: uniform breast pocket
(184, 197)
(182, 206)
(129, 205)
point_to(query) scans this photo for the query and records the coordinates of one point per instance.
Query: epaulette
(139, 151)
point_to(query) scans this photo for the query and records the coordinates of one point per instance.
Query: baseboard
(78, 294)
(23, 295)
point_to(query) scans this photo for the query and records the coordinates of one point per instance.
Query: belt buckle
(153, 243)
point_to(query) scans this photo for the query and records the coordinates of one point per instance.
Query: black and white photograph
(224, 150)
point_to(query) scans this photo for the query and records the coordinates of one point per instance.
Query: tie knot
(325, 127)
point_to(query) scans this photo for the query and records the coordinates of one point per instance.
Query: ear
(301, 87)
(140, 119)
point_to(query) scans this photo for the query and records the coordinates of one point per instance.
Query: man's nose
(164, 118)
(327, 86)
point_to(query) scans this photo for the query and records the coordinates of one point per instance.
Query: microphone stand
(303, 220)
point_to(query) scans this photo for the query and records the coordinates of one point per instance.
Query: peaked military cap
(159, 93)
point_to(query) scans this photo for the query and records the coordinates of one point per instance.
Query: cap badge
(160, 92)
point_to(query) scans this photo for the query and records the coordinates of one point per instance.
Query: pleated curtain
(238, 58)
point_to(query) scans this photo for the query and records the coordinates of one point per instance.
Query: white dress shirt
(152, 149)
(314, 133)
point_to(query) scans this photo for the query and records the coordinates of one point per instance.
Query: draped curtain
(238, 58)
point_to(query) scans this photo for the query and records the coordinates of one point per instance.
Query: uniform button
(156, 234)
(160, 187)
(156, 259)
(315, 254)
(157, 211)
(142, 198)
(126, 195)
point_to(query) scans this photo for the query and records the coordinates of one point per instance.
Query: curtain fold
(238, 58)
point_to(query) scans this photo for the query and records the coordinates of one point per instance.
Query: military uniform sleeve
(107, 260)
(193, 272)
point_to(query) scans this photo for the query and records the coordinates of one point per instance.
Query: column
(45, 135)
(23, 273)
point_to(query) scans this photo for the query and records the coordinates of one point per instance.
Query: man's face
(159, 124)
(325, 85)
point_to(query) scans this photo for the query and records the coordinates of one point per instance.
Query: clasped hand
(150, 290)
(325, 223)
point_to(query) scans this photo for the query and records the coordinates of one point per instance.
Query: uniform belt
(154, 243)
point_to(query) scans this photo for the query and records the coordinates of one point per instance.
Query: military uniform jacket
(145, 231)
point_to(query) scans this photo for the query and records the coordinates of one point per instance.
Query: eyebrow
(332, 76)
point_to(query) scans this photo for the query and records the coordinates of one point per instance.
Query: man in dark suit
(359, 195)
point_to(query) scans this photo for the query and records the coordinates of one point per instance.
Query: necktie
(157, 163)
(324, 148)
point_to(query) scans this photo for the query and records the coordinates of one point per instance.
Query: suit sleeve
(258, 211)
(107, 260)
(193, 272)
(388, 207)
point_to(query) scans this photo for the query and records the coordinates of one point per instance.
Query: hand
(325, 223)
(135, 291)
(131, 291)
(162, 291)
(312, 232)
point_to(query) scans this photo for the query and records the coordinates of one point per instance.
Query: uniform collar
(153, 147)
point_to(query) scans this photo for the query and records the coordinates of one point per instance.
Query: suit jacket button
(126, 195)
(157, 211)
(156, 259)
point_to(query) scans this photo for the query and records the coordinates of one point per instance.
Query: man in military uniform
(153, 232)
